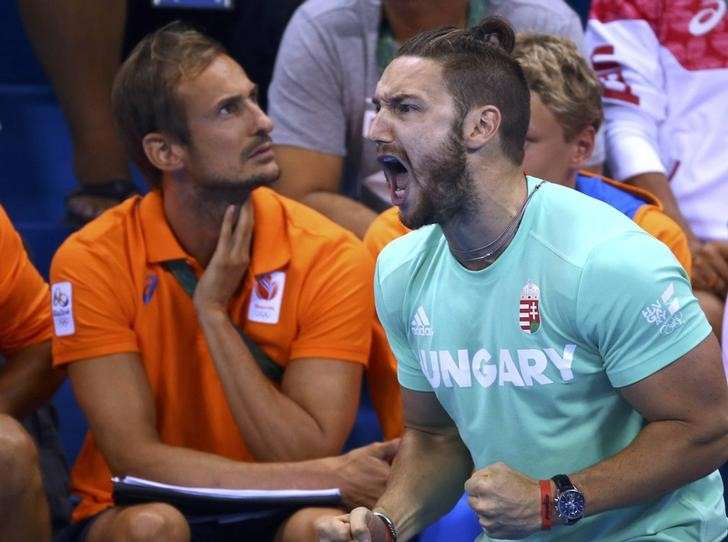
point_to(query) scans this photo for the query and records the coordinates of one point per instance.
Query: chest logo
(529, 310)
(420, 324)
(266, 298)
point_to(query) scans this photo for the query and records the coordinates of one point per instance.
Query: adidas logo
(420, 324)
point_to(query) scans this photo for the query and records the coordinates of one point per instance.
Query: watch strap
(563, 483)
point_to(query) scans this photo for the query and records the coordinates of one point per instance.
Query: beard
(212, 195)
(447, 187)
(223, 191)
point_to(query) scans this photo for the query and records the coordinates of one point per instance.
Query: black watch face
(570, 505)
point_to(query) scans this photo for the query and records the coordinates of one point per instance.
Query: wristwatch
(569, 501)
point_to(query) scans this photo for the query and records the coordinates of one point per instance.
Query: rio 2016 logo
(60, 299)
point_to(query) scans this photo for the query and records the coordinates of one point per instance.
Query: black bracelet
(389, 524)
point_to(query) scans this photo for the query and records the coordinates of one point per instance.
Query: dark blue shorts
(223, 528)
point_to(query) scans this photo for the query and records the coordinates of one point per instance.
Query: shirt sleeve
(637, 310)
(25, 317)
(389, 309)
(305, 95)
(622, 43)
(92, 304)
(337, 306)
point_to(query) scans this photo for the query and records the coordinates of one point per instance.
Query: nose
(379, 130)
(263, 123)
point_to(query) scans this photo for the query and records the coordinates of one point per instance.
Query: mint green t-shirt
(526, 355)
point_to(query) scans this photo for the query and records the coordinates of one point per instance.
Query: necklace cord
(473, 255)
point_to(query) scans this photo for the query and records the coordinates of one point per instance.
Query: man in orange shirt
(26, 380)
(232, 323)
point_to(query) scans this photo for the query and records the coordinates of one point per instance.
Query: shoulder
(10, 244)
(335, 16)
(572, 225)
(311, 232)
(408, 252)
(100, 243)
(548, 16)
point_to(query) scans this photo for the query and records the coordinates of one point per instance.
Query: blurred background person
(664, 70)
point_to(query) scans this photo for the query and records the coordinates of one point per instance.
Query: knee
(301, 526)
(156, 522)
(18, 459)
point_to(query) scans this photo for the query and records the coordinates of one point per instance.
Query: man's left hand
(507, 502)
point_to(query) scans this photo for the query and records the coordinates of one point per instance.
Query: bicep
(423, 412)
(114, 393)
(691, 389)
(304, 171)
(328, 390)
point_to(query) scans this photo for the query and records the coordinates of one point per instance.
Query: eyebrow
(237, 99)
(395, 99)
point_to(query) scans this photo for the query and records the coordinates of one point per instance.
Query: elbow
(712, 436)
(131, 459)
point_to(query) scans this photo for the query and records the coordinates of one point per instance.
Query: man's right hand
(364, 472)
(360, 526)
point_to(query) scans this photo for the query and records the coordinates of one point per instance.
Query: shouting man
(551, 354)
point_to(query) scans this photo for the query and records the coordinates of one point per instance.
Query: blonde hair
(561, 77)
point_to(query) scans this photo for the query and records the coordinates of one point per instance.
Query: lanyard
(186, 278)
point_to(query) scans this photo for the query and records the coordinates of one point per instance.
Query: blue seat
(458, 525)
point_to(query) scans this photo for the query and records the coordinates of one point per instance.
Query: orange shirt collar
(270, 247)
(162, 245)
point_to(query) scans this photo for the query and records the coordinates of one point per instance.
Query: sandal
(115, 191)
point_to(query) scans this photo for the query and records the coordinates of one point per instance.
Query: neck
(195, 218)
(408, 18)
(492, 223)
(571, 179)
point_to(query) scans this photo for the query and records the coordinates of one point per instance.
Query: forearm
(343, 210)
(427, 479)
(659, 186)
(186, 467)
(275, 427)
(663, 457)
(27, 380)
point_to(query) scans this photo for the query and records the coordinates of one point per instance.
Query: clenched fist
(508, 503)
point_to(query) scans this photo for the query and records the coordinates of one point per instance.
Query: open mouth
(397, 175)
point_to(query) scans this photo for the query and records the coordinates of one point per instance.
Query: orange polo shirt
(25, 318)
(122, 299)
(384, 388)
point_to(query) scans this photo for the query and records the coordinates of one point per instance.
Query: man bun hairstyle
(144, 95)
(479, 70)
(495, 32)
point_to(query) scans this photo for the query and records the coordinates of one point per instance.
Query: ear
(164, 153)
(583, 146)
(481, 124)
